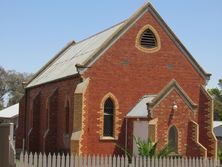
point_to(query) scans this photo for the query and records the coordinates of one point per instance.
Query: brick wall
(52, 123)
(129, 73)
(34, 137)
(53, 101)
(180, 118)
(205, 119)
(20, 130)
(195, 148)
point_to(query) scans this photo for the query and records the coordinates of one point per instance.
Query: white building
(10, 115)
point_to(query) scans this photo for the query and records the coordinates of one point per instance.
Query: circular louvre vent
(148, 39)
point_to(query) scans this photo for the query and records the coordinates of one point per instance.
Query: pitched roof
(63, 65)
(89, 50)
(140, 109)
(217, 123)
(10, 112)
(217, 128)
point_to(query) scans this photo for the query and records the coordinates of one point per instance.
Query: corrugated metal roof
(217, 128)
(77, 53)
(10, 112)
(217, 123)
(64, 63)
(140, 109)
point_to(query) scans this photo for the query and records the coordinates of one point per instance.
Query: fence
(109, 161)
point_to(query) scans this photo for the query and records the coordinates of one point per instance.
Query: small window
(148, 39)
(108, 117)
(173, 139)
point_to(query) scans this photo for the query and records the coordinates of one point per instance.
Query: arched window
(67, 117)
(108, 117)
(173, 139)
(47, 114)
(47, 118)
(148, 39)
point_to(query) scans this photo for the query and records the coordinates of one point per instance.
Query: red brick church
(133, 79)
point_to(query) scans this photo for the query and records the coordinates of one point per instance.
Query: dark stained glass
(173, 139)
(108, 118)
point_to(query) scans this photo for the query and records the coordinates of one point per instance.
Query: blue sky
(31, 32)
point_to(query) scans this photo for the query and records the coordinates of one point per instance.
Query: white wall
(140, 130)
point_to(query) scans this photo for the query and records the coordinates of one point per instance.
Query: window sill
(108, 138)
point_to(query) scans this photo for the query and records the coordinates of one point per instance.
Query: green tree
(3, 86)
(11, 85)
(15, 83)
(217, 95)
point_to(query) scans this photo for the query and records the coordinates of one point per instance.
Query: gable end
(129, 23)
(179, 44)
(173, 85)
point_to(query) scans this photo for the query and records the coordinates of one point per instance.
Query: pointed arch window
(47, 114)
(173, 139)
(109, 108)
(67, 114)
(47, 118)
(148, 39)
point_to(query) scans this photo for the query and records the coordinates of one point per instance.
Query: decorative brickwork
(119, 67)
(83, 146)
(152, 129)
(173, 85)
(79, 122)
(138, 37)
(117, 119)
(143, 75)
(205, 119)
(195, 149)
(168, 117)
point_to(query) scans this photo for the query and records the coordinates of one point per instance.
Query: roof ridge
(190, 56)
(127, 23)
(100, 32)
(112, 34)
(130, 21)
(148, 95)
(64, 49)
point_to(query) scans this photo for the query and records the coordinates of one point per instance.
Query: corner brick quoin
(163, 86)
